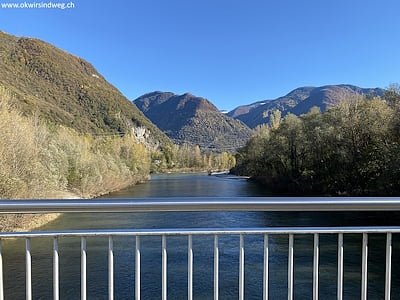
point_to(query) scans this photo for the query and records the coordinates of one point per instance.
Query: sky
(228, 51)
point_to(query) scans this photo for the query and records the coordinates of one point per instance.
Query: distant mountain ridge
(67, 90)
(299, 101)
(195, 120)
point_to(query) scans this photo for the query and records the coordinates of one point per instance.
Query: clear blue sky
(231, 52)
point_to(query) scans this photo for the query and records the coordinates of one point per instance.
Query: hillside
(195, 120)
(67, 90)
(298, 101)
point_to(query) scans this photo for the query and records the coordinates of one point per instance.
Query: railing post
(1, 271)
(190, 267)
(316, 267)
(137, 268)
(28, 269)
(83, 268)
(56, 286)
(216, 268)
(364, 277)
(164, 268)
(266, 267)
(340, 267)
(388, 271)
(290, 267)
(110, 268)
(241, 268)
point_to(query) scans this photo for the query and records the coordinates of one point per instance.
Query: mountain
(299, 101)
(195, 120)
(65, 89)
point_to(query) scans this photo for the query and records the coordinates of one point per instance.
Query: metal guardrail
(185, 204)
(206, 204)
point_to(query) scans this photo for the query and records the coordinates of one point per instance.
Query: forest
(353, 148)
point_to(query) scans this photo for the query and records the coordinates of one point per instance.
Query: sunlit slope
(299, 101)
(66, 89)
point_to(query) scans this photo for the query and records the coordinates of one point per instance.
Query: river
(200, 185)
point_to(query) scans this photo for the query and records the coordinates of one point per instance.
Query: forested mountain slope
(194, 120)
(65, 89)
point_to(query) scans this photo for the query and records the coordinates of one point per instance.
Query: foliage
(36, 159)
(352, 148)
(188, 157)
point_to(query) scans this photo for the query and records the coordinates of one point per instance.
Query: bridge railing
(205, 204)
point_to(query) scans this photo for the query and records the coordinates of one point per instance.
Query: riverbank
(193, 171)
(29, 222)
(182, 171)
(19, 222)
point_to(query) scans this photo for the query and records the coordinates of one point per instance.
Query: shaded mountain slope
(195, 120)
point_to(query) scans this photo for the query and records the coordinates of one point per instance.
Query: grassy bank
(26, 222)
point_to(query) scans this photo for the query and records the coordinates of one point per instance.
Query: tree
(392, 95)
(351, 148)
(275, 119)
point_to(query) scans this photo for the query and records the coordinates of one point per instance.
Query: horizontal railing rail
(203, 231)
(150, 205)
(283, 204)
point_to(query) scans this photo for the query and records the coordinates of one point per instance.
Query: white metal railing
(203, 204)
(206, 204)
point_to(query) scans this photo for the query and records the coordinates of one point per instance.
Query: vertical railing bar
(190, 267)
(364, 276)
(266, 267)
(1, 271)
(110, 268)
(216, 268)
(56, 274)
(290, 267)
(388, 272)
(164, 267)
(137, 268)
(316, 267)
(83, 268)
(28, 269)
(340, 267)
(241, 268)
